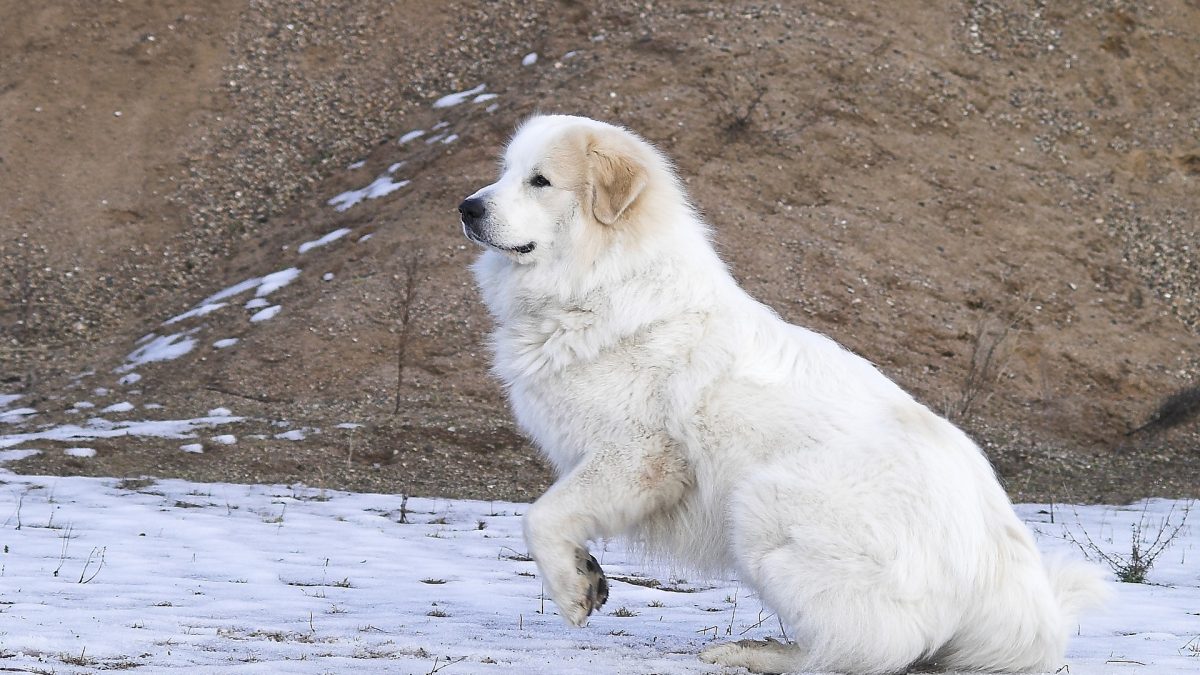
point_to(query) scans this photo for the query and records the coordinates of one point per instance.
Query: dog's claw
(597, 584)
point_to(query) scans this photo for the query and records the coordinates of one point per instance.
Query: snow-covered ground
(156, 575)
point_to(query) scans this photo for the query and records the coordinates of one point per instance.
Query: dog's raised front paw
(586, 590)
(597, 583)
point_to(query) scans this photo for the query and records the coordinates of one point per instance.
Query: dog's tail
(1077, 586)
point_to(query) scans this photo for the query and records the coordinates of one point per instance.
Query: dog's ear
(617, 179)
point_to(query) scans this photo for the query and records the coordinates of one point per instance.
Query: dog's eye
(539, 180)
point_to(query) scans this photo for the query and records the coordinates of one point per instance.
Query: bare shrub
(737, 99)
(1175, 410)
(989, 352)
(406, 293)
(1134, 567)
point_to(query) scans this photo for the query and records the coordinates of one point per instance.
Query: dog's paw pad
(597, 584)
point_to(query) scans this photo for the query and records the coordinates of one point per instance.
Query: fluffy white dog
(681, 412)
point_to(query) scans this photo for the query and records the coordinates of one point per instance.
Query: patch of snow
(197, 311)
(77, 378)
(291, 435)
(331, 237)
(100, 391)
(153, 406)
(411, 136)
(131, 378)
(394, 167)
(276, 280)
(227, 342)
(161, 348)
(7, 399)
(349, 425)
(265, 314)
(17, 454)
(434, 139)
(365, 237)
(80, 452)
(225, 439)
(192, 447)
(449, 139)
(123, 406)
(256, 303)
(357, 165)
(382, 186)
(16, 415)
(261, 285)
(569, 55)
(492, 108)
(530, 59)
(83, 405)
(482, 98)
(328, 276)
(236, 289)
(102, 428)
(440, 125)
(220, 412)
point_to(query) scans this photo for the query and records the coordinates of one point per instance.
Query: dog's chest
(574, 382)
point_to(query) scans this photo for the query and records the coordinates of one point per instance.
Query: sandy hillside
(994, 202)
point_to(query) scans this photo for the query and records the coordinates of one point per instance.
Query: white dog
(679, 411)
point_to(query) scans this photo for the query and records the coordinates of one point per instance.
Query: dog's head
(566, 184)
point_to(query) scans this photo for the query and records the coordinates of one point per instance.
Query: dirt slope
(992, 201)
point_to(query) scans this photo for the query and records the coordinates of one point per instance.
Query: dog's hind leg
(832, 560)
(616, 487)
(757, 656)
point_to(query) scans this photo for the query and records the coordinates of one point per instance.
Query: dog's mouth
(524, 248)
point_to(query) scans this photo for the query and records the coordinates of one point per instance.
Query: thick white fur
(679, 411)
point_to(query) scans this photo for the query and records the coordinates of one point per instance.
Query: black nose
(472, 210)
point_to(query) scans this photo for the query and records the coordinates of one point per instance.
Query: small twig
(89, 562)
(729, 628)
(516, 555)
(250, 397)
(62, 556)
(449, 662)
(20, 503)
(758, 623)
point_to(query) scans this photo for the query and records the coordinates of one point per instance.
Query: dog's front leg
(614, 488)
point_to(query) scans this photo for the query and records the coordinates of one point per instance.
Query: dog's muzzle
(473, 211)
